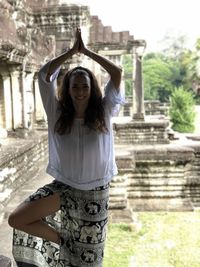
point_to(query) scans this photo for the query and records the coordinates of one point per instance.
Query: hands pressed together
(78, 46)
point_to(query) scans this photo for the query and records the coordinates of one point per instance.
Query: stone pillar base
(138, 116)
(3, 133)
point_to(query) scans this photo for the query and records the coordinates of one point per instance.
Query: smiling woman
(64, 223)
(80, 91)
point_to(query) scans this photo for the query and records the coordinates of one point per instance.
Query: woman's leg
(28, 217)
(84, 226)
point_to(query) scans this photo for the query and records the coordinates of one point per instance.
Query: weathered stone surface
(17, 158)
(121, 215)
(164, 177)
(5, 261)
(141, 132)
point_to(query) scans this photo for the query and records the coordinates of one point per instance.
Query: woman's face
(80, 88)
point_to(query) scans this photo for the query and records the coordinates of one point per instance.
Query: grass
(166, 239)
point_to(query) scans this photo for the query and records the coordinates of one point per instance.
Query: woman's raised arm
(58, 61)
(114, 70)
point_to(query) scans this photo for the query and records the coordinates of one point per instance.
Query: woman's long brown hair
(94, 114)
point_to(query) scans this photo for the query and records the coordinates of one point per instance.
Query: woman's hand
(76, 45)
(82, 48)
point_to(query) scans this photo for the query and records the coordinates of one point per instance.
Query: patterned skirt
(81, 222)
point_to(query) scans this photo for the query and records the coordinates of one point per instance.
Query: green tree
(157, 75)
(179, 58)
(174, 66)
(127, 63)
(181, 111)
(194, 70)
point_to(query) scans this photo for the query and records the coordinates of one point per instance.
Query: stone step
(119, 179)
(118, 185)
(125, 162)
(161, 204)
(120, 192)
(164, 173)
(117, 202)
(195, 199)
(156, 188)
(157, 182)
(155, 194)
(149, 141)
(119, 216)
(118, 205)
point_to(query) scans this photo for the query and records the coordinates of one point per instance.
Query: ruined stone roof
(101, 35)
(18, 38)
(7, 24)
(40, 3)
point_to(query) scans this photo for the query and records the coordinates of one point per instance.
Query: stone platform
(151, 131)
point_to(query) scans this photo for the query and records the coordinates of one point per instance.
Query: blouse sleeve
(48, 89)
(113, 99)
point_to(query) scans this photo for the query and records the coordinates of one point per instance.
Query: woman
(64, 223)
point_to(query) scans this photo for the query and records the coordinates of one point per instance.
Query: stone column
(7, 100)
(16, 99)
(27, 99)
(138, 93)
(22, 85)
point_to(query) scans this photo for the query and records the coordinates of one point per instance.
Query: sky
(150, 19)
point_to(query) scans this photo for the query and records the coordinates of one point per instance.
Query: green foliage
(127, 63)
(182, 112)
(180, 69)
(194, 67)
(129, 87)
(157, 78)
(197, 99)
(174, 66)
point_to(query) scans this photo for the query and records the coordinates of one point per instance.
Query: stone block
(161, 204)
(5, 261)
(19, 158)
(118, 216)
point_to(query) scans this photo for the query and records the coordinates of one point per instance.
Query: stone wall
(193, 179)
(160, 178)
(141, 132)
(151, 107)
(19, 160)
(155, 107)
(163, 177)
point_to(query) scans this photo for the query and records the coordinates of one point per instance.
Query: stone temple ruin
(155, 173)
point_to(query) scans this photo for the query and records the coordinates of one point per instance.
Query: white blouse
(83, 159)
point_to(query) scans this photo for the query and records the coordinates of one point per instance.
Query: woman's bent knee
(14, 221)
(29, 212)
(11, 220)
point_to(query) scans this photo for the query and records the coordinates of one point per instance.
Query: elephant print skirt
(81, 222)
